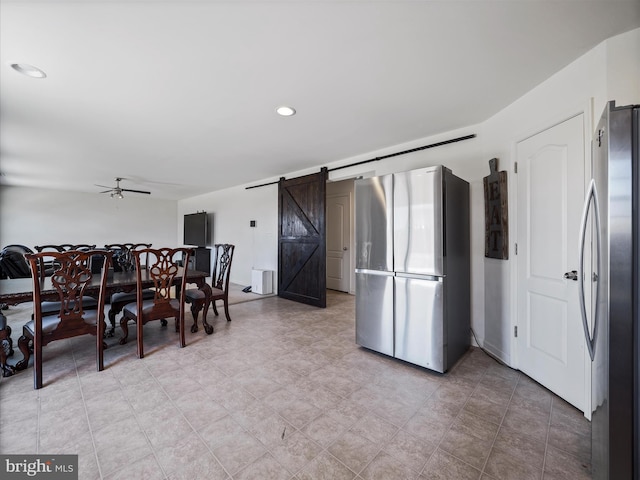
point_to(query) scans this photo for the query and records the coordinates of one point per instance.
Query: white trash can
(262, 281)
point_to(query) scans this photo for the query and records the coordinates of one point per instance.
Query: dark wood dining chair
(70, 280)
(219, 288)
(123, 261)
(12, 262)
(46, 267)
(163, 271)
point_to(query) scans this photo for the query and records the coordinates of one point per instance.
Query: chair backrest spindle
(222, 265)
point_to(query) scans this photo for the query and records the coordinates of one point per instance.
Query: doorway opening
(340, 236)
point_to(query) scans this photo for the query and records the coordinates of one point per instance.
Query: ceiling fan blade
(135, 191)
(103, 186)
(107, 191)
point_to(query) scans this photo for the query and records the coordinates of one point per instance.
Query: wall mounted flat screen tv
(196, 229)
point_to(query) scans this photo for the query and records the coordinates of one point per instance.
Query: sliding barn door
(301, 239)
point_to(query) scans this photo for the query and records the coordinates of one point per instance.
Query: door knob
(572, 275)
(344, 248)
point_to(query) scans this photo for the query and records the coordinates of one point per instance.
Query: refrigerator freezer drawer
(420, 330)
(374, 312)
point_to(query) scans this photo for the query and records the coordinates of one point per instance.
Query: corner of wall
(623, 68)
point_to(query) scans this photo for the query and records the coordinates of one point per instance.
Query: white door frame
(346, 246)
(586, 110)
(352, 242)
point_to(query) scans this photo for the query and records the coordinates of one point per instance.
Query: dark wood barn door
(302, 239)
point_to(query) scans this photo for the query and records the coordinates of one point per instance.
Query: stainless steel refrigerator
(413, 266)
(609, 292)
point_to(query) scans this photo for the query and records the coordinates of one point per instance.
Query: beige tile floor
(283, 392)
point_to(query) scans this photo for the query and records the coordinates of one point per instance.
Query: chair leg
(215, 310)
(100, 347)
(23, 346)
(226, 309)
(140, 345)
(180, 321)
(112, 320)
(125, 330)
(37, 365)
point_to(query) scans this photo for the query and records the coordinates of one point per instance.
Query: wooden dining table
(14, 291)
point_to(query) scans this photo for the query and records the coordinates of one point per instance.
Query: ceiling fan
(116, 192)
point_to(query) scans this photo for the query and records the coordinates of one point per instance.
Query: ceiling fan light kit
(116, 192)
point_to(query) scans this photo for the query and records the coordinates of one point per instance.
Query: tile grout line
(348, 429)
(426, 399)
(86, 413)
(482, 472)
(457, 416)
(400, 427)
(561, 448)
(269, 450)
(322, 448)
(185, 419)
(546, 440)
(135, 415)
(275, 412)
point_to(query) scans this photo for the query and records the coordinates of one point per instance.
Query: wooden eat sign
(496, 213)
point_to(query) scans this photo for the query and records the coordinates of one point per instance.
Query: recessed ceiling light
(286, 111)
(28, 70)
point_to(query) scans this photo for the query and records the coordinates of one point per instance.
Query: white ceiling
(179, 96)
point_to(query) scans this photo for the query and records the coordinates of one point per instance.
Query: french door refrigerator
(609, 283)
(413, 266)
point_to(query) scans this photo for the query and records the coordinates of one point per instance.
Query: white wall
(232, 210)
(35, 216)
(623, 68)
(609, 71)
(567, 93)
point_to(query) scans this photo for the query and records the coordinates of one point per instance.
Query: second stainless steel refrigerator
(413, 266)
(609, 273)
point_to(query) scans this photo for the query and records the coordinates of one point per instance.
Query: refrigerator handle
(591, 199)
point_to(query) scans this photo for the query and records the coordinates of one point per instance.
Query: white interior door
(551, 178)
(338, 253)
